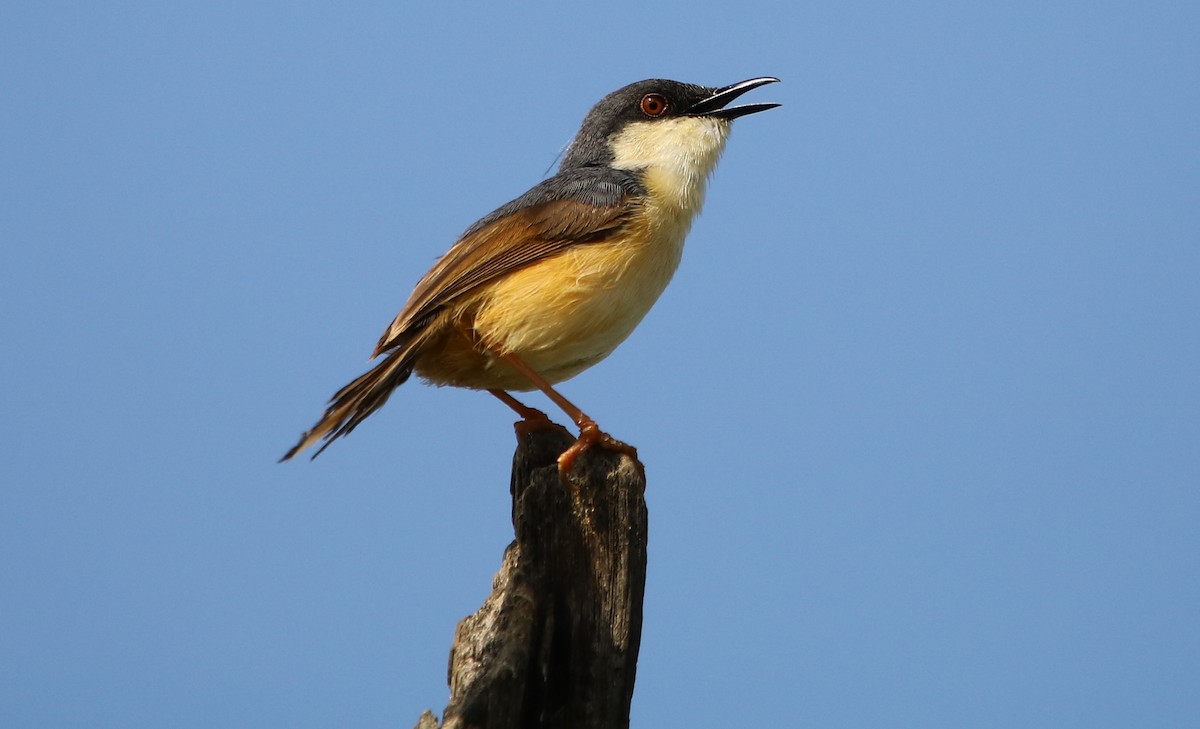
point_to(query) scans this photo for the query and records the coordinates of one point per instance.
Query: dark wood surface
(556, 642)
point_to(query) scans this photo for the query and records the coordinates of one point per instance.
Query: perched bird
(550, 283)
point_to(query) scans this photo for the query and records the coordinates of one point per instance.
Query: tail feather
(354, 402)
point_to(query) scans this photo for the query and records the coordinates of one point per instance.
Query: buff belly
(560, 315)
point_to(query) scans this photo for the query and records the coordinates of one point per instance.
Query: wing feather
(562, 212)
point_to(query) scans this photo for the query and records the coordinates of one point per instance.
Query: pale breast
(568, 312)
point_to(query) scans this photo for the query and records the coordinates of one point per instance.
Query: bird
(549, 284)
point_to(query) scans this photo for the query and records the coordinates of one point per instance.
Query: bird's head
(661, 123)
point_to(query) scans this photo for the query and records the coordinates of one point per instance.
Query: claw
(534, 421)
(590, 435)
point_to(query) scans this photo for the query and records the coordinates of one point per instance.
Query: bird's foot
(534, 420)
(590, 435)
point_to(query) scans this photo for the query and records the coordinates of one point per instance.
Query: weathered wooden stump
(556, 643)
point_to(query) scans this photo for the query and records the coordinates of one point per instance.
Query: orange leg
(531, 418)
(589, 433)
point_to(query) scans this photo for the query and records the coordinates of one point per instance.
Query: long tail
(354, 402)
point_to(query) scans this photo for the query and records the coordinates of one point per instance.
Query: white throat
(675, 157)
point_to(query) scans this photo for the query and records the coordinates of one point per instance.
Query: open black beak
(715, 105)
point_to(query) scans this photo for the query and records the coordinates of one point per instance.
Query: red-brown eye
(654, 105)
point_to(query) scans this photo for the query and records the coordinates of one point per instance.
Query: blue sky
(919, 412)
